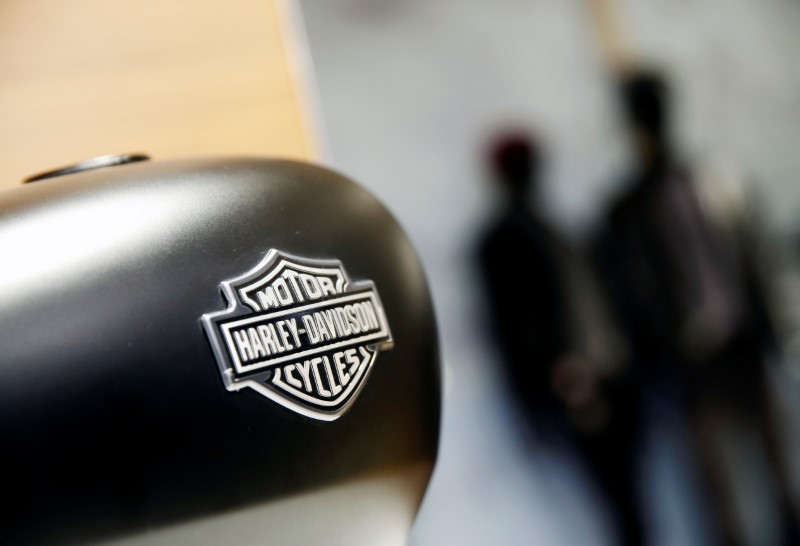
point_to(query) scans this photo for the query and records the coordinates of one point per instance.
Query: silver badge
(299, 332)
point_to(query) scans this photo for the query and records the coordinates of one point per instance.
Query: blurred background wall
(411, 92)
(85, 78)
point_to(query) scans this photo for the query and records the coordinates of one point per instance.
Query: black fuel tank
(116, 413)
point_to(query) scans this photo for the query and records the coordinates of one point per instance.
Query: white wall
(411, 90)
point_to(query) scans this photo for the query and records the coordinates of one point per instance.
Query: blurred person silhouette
(562, 361)
(684, 270)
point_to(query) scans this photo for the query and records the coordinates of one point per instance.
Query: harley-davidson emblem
(300, 332)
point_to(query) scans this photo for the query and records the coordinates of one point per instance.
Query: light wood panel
(80, 78)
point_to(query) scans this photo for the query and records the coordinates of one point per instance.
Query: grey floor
(410, 91)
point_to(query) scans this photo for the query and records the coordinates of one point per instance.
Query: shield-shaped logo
(299, 332)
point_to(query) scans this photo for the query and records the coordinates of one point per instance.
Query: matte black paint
(113, 416)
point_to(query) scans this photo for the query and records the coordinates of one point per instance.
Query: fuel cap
(88, 165)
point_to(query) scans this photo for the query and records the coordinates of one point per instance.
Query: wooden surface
(81, 78)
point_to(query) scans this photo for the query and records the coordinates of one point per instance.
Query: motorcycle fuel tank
(207, 351)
